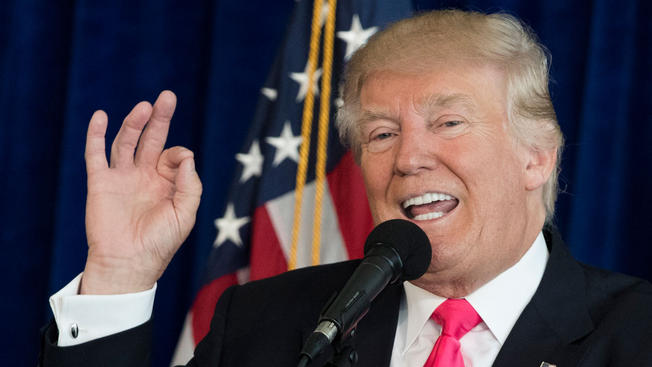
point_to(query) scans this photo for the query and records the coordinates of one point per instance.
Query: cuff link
(74, 330)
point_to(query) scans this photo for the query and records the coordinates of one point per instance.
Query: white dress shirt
(499, 303)
(96, 316)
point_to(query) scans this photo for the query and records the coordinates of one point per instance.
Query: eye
(450, 126)
(382, 136)
(452, 123)
(381, 139)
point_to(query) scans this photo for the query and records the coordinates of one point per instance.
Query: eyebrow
(368, 116)
(436, 101)
(425, 107)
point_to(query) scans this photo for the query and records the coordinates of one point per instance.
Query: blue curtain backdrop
(61, 60)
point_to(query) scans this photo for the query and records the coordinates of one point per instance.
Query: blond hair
(451, 35)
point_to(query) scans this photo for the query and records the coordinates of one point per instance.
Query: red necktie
(457, 317)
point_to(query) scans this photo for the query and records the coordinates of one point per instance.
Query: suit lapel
(374, 338)
(556, 316)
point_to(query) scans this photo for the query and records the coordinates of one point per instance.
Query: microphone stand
(344, 354)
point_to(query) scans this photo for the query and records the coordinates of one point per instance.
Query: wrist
(105, 279)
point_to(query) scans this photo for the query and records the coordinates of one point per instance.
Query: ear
(539, 166)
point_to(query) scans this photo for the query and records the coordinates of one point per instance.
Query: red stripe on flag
(350, 201)
(267, 257)
(204, 306)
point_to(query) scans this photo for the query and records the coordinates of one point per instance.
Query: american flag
(255, 237)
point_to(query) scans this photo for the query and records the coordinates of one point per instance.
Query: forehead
(464, 87)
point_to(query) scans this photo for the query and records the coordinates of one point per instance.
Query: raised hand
(142, 206)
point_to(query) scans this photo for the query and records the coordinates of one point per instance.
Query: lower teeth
(428, 216)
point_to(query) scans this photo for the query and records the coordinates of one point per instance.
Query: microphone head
(410, 242)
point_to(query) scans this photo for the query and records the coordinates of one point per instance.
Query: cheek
(377, 174)
(376, 171)
(487, 166)
(497, 185)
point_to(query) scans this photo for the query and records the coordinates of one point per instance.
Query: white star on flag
(287, 145)
(270, 93)
(356, 36)
(252, 162)
(228, 227)
(302, 79)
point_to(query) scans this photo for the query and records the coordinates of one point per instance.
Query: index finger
(95, 154)
(153, 139)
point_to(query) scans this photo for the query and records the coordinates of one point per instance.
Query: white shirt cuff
(82, 318)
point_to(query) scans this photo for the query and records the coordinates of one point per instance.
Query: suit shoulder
(334, 273)
(612, 284)
(620, 307)
(306, 287)
(618, 296)
(289, 301)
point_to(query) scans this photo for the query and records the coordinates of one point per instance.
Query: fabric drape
(61, 60)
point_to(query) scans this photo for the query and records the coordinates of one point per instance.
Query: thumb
(188, 191)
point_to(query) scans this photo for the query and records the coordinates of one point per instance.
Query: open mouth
(431, 205)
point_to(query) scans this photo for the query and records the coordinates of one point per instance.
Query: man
(449, 116)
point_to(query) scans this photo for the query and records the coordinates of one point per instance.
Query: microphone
(396, 250)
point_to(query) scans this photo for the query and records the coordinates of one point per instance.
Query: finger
(169, 161)
(94, 154)
(124, 145)
(153, 140)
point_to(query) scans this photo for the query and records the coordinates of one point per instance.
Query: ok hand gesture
(140, 207)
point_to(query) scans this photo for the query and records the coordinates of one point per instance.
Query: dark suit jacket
(579, 316)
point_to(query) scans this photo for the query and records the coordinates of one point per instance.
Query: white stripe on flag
(186, 344)
(281, 214)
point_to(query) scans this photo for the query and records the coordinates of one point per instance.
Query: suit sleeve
(130, 348)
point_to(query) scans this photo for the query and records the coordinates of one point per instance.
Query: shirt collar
(499, 302)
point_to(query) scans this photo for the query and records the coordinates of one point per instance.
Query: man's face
(437, 150)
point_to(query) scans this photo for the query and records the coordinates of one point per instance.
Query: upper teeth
(426, 198)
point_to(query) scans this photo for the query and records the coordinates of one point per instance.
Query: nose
(415, 153)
